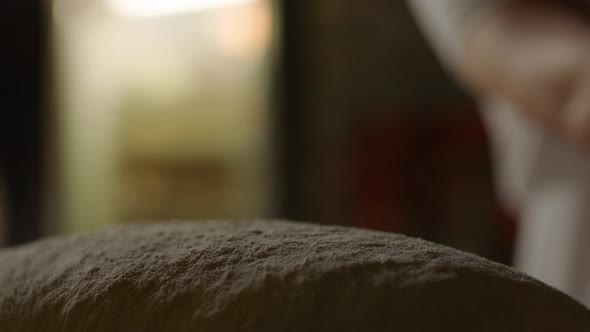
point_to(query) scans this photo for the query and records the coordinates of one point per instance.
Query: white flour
(262, 276)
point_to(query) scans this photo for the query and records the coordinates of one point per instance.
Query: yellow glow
(157, 8)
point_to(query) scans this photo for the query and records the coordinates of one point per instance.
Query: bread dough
(268, 276)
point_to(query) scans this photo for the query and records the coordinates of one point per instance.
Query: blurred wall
(3, 221)
(24, 41)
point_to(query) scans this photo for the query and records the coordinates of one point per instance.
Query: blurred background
(334, 112)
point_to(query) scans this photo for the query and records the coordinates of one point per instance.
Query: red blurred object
(429, 176)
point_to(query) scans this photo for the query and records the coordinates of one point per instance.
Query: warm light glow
(245, 32)
(156, 8)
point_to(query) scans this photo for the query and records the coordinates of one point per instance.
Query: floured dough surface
(267, 276)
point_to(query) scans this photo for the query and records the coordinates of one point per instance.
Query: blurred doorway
(164, 109)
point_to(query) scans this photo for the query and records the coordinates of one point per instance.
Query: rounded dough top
(268, 276)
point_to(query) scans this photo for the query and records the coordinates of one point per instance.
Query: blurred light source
(157, 8)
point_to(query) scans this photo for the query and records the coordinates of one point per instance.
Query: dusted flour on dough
(267, 276)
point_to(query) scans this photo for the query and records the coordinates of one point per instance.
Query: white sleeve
(444, 22)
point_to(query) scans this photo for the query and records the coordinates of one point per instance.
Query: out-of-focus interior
(164, 109)
(333, 112)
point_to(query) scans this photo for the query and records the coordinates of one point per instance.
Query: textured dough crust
(268, 276)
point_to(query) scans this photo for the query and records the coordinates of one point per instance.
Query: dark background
(377, 135)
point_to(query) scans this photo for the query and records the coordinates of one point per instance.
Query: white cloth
(545, 180)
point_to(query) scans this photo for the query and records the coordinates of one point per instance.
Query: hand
(576, 118)
(537, 56)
